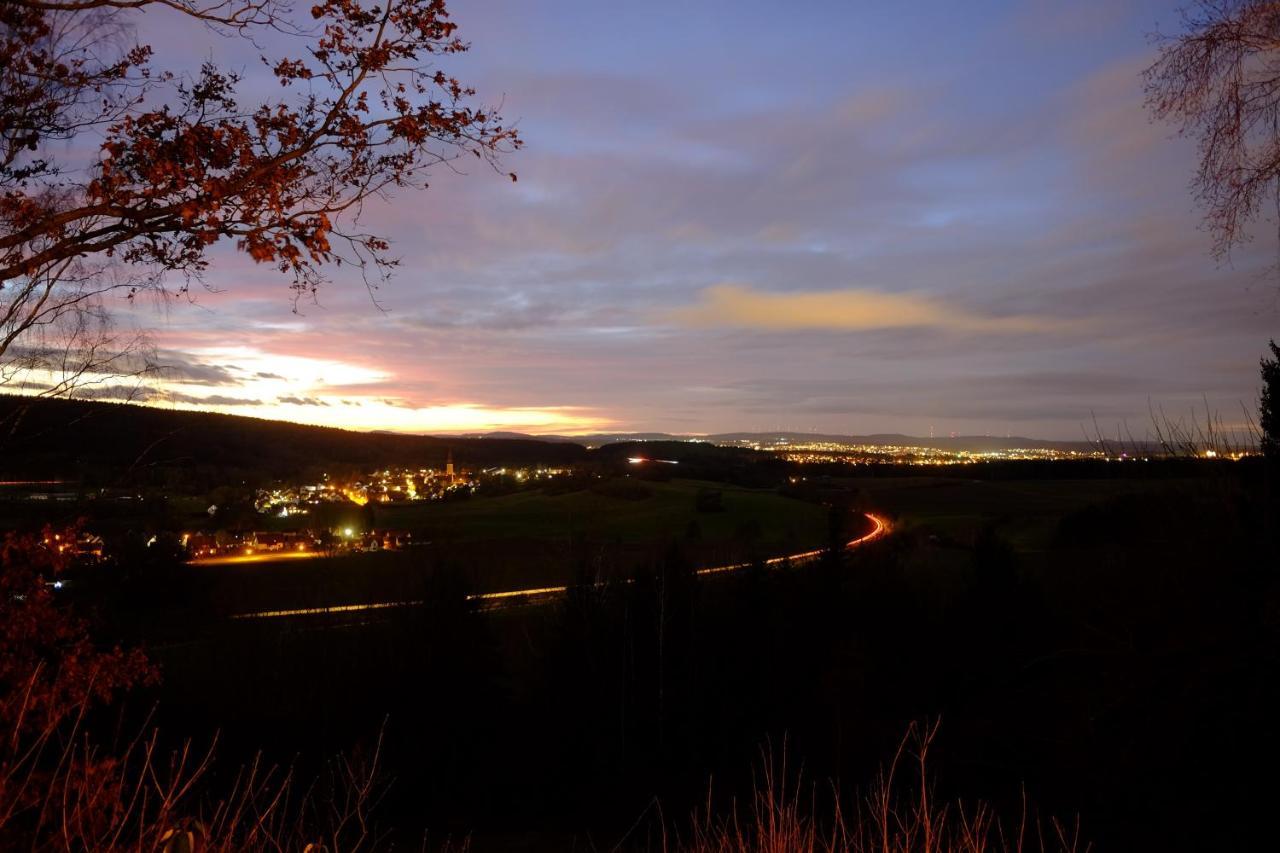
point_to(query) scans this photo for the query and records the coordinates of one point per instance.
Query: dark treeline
(115, 444)
(1125, 675)
(98, 444)
(694, 460)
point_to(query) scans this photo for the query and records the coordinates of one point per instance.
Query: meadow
(530, 538)
(626, 511)
(1026, 512)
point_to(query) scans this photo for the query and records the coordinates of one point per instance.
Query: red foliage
(51, 673)
(49, 668)
(183, 164)
(59, 790)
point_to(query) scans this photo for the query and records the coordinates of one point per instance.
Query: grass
(898, 813)
(1025, 512)
(664, 514)
(141, 799)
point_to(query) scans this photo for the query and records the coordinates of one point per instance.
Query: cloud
(159, 396)
(183, 367)
(1033, 231)
(847, 310)
(212, 400)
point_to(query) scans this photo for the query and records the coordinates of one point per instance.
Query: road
(257, 557)
(544, 595)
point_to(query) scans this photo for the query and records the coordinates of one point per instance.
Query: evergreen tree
(1269, 407)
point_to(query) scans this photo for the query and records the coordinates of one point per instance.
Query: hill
(969, 443)
(115, 444)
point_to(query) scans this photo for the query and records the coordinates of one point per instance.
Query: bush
(622, 489)
(61, 791)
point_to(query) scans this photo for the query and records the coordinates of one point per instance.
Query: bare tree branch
(182, 165)
(1219, 82)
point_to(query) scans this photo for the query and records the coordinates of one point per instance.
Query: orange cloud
(323, 392)
(850, 310)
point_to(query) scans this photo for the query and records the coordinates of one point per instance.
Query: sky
(850, 217)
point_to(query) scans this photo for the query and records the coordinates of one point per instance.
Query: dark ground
(1109, 645)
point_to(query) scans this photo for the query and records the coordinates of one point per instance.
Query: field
(638, 513)
(536, 537)
(1025, 512)
(529, 539)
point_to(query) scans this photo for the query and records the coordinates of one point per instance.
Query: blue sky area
(852, 217)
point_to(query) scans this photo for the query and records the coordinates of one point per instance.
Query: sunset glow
(322, 392)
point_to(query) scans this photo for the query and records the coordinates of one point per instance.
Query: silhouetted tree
(1219, 81)
(1269, 407)
(51, 673)
(1269, 424)
(709, 500)
(837, 534)
(181, 164)
(660, 636)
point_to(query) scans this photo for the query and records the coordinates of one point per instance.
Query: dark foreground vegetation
(1100, 649)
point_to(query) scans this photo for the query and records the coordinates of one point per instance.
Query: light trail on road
(546, 594)
(262, 557)
(880, 527)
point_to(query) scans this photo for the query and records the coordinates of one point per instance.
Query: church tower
(448, 468)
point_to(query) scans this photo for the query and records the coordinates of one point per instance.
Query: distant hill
(120, 444)
(106, 444)
(972, 443)
(599, 439)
